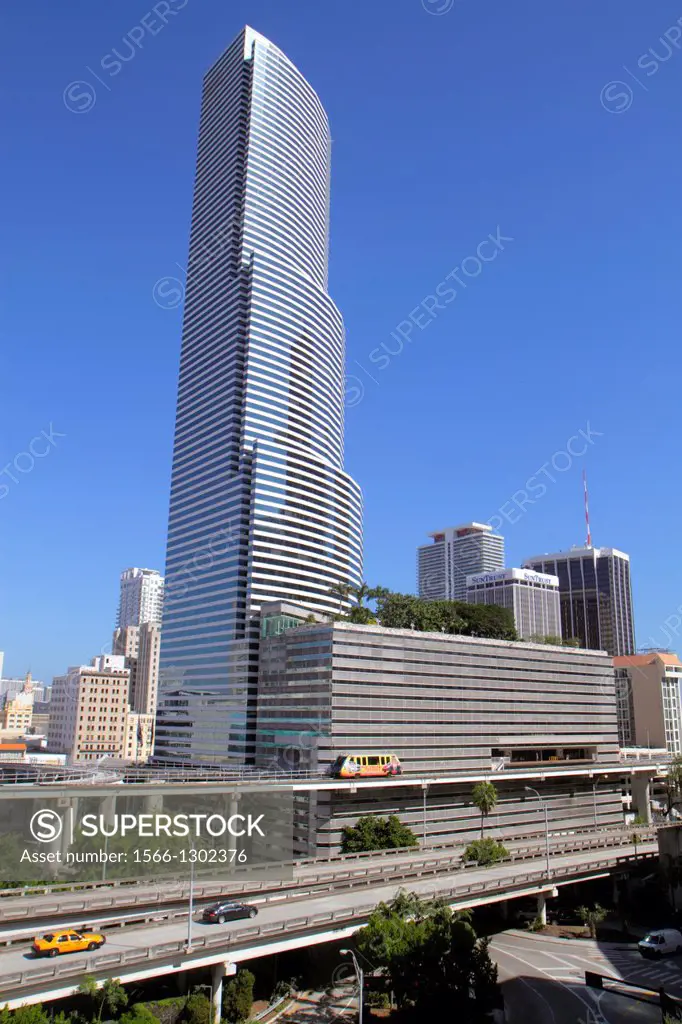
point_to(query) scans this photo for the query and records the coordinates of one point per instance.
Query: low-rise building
(454, 704)
(17, 712)
(649, 703)
(532, 597)
(90, 713)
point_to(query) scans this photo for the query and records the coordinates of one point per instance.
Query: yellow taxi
(68, 940)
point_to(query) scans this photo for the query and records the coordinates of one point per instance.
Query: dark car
(227, 910)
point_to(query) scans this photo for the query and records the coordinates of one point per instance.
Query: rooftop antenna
(587, 511)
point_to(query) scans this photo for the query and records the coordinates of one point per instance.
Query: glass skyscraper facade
(596, 597)
(261, 508)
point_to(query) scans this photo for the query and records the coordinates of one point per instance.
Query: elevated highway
(19, 781)
(323, 906)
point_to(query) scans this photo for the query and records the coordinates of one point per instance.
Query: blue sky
(484, 118)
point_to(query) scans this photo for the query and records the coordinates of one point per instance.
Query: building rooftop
(639, 660)
(578, 551)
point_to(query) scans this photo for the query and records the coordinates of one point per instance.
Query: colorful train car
(366, 766)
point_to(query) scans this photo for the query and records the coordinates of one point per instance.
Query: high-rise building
(141, 598)
(139, 646)
(532, 597)
(90, 714)
(596, 596)
(454, 554)
(648, 700)
(261, 508)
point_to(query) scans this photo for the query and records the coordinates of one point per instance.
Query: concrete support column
(219, 972)
(108, 808)
(641, 795)
(504, 910)
(542, 908)
(152, 803)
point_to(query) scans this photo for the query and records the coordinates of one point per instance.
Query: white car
(661, 942)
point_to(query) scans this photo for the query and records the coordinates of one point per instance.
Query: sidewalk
(575, 943)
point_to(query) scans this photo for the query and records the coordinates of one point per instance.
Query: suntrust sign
(522, 575)
(124, 835)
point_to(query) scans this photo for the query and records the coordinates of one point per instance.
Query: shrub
(166, 1011)
(198, 1009)
(486, 851)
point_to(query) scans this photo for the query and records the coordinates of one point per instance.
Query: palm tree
(342, 591)
(484, 796)
(362, 592)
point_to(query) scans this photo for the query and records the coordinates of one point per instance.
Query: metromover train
(365, 766)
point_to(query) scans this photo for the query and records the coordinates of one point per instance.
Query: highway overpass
(325, 902)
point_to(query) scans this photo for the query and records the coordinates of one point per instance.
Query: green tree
(405, 611)
(484, 796)
(591, 917)
(111, 995)
(361, 593)
(486, 851)
(238, 997)
(34, 1014)
(432, 959)
(342, 591)
(198, 1009)
(139, 1014)
(362, 615)
(375, 833)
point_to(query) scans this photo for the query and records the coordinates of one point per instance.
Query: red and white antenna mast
(587, 511)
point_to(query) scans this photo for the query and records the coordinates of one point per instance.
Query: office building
(648, 700)
(532, 597)
(454, 554)
(17, 711)
(143, 696)
(261, 508)
(445, 703)
(140, 646)
(595, 595)
(90, 714)
(141, 598)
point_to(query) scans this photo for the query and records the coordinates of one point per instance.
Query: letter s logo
(46, 826)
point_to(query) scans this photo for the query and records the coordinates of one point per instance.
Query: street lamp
(188, 944)
(530, 789)
(358, 971)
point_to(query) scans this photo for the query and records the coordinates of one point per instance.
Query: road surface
(544, 980)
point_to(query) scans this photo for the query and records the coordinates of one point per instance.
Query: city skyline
(399, 226)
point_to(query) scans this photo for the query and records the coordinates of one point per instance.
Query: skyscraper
(141, 598)
(261, 508)
(532, 597)
(595, 595)
(457, 552)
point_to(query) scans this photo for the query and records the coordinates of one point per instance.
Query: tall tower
(454, 554)
(141, 598)
(261, 508)
(596, 596)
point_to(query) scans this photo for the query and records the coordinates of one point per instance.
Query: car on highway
(659, 943)
(227, 910)
(68, 940)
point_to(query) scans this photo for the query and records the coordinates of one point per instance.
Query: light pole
(594, 803)
(358, 971)
(425, 789)
(188, 944)
(543, 804)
